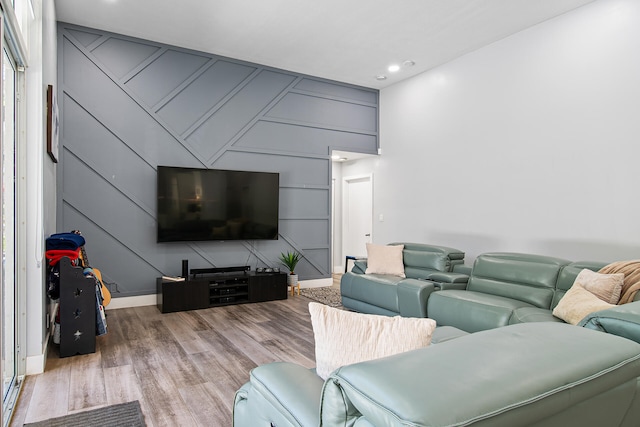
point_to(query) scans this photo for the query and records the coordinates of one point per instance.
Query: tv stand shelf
(228, 290)
(204, 291)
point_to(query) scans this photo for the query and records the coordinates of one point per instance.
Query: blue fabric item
(70, 241)
(101, 322)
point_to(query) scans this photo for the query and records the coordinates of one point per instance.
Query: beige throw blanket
(631, 271)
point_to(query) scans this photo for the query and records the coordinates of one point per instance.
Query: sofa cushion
(631, 285)
(577, 303)
(426, 260)
(568, 276)
(532, 314)
(343, 337)
(446, 333)
(383, 259)
(525, 277)
(607, 287)
(471, 311)
(421, 259)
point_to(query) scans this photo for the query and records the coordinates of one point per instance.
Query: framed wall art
(52, 124)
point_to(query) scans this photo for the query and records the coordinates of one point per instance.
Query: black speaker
(185, 268)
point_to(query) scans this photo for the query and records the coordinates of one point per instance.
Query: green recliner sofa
(542, 374)
(427, 267)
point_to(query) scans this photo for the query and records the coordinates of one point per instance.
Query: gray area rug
(328, 295)
(121, 415)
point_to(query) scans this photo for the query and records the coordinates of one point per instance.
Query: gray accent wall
(128, 105)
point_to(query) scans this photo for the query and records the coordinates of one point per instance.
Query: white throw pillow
(383, 259)
(607, 287)
(344, 337)
(577, 303)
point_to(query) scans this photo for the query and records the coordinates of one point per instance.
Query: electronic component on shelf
(173, 279)
(215, 270)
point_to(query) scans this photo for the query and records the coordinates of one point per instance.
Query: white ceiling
(349, 41)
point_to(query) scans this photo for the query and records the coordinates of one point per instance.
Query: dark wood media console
(212, 290)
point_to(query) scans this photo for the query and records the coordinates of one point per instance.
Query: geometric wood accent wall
(128, 105)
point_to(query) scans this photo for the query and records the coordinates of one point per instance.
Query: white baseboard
(35, 364)
(137, 301)
(316, 283)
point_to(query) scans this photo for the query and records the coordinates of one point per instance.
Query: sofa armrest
(622, 320)
(359, 266)
(463, 269)
(241, 416)
(281, 393)
(443, 277)
(413, 295)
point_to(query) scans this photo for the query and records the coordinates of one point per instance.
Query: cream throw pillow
(577, 303)
(607, 287)
(344, 337)
(383, 259)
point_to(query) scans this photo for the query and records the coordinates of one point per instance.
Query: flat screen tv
(213, 204)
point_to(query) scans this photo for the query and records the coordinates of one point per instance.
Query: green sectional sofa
(500, 289)
(497, 358)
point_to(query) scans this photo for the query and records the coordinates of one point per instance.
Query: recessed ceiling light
(393, 68)
(381, 77)
(408, 63)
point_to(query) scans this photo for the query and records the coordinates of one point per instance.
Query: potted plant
(290, 260)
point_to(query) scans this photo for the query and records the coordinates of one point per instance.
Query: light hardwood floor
(184, 368)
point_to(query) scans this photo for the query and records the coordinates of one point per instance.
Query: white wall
(40, 177)
(50, 77)
(530, 144)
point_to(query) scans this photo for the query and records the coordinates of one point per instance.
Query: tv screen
(212, 204)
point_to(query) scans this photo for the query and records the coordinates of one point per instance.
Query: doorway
(357, 216)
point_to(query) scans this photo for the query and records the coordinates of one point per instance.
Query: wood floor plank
(230, 358)
(131, 325)
(50, 397)
(148, 313)
(113, 345)
(217, 373)
(193, 320)
(121, 384)
(283, 351)
(160, 398)
(212, 409)
(26, 392)
(86, 383)
(185, 325)
(256, 312)
(256, 351)
(177, 360)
